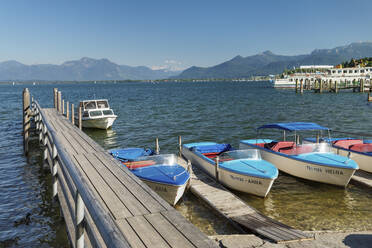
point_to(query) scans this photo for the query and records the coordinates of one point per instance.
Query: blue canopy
(294, 126)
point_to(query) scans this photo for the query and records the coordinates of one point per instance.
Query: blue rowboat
(162, 173)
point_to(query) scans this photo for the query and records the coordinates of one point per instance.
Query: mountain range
(79, 70)
(267, 63)
(262, 64)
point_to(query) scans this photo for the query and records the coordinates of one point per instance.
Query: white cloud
(170, 65)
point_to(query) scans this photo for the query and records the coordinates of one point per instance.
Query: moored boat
(162, 173)
(315, 162)
(97, 114)
(241, 170)
(360, 150)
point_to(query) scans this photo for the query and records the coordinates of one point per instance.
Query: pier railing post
(72, 114)
(80, 121)
(55, 171)
(55, 90)
(26, 119)
(59, 98)
(296, 85)
(79, 221)
(67, 110)
(180, 145)
(63, 106)
(217, 168)
(157, 148)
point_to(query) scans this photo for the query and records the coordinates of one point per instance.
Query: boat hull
(363, 160)
(244, 183)
(171, 193)
(100, 123)
(305, 169)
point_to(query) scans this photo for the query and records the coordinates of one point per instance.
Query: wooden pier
(320, 85)
(103, 203)
(239, 213)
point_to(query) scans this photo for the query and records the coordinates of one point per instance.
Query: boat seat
(138, 164)
(361, 147)
(283, 145)
(261, 144)
(347, 143)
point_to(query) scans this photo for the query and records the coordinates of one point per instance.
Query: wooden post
(63, 106)
(336, 87)
(217, 168)
(67, 110)
(72, 114)
(180, 146)
(361, 85)
(54, 172)
(302, 86)
(55, 90)
(26, 119)
(296, 85)
(59, 103)
(157, 148)
(79, 221)
(320, 85)
(80, 121)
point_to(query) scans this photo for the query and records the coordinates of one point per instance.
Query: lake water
(209, 111)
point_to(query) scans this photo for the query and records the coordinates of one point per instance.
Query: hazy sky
(177, 33)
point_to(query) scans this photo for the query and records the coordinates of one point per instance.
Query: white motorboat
(315, 162)
(97, 114)
(242, 170)
(360, 150)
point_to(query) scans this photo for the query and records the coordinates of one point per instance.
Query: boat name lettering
(248, 180)
(334, 172)
(316, 169)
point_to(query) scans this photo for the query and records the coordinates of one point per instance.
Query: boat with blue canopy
(315, 162)
(163, 173)
(242, 170)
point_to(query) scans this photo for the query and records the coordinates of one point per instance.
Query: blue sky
(175, 33)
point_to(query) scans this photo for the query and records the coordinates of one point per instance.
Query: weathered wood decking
(234, 209)
(143, 218)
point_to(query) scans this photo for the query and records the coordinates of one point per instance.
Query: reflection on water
(105, 138)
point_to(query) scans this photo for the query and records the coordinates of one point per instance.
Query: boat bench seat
(361, 147)
(138, 164)
(260, 144)
(283, 145)
(346, 144)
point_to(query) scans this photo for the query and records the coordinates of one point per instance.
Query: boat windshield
(253, 154)
(309, 148)
(108, 112)
(95, 113)
(90, 105)
(164, 159)
(102, 104)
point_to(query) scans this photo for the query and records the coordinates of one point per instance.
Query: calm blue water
(209, 111)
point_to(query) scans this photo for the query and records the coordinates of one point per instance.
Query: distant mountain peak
(268, 52)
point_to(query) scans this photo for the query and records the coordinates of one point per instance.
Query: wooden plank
(152, 201)
(190, 232)
(117, 186)
(146, 232)
(104, 192)
(171, 235)
(130, 234)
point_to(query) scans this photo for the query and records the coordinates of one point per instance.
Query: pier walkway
(103, 203)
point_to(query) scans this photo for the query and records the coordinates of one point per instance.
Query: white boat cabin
(96, 108)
